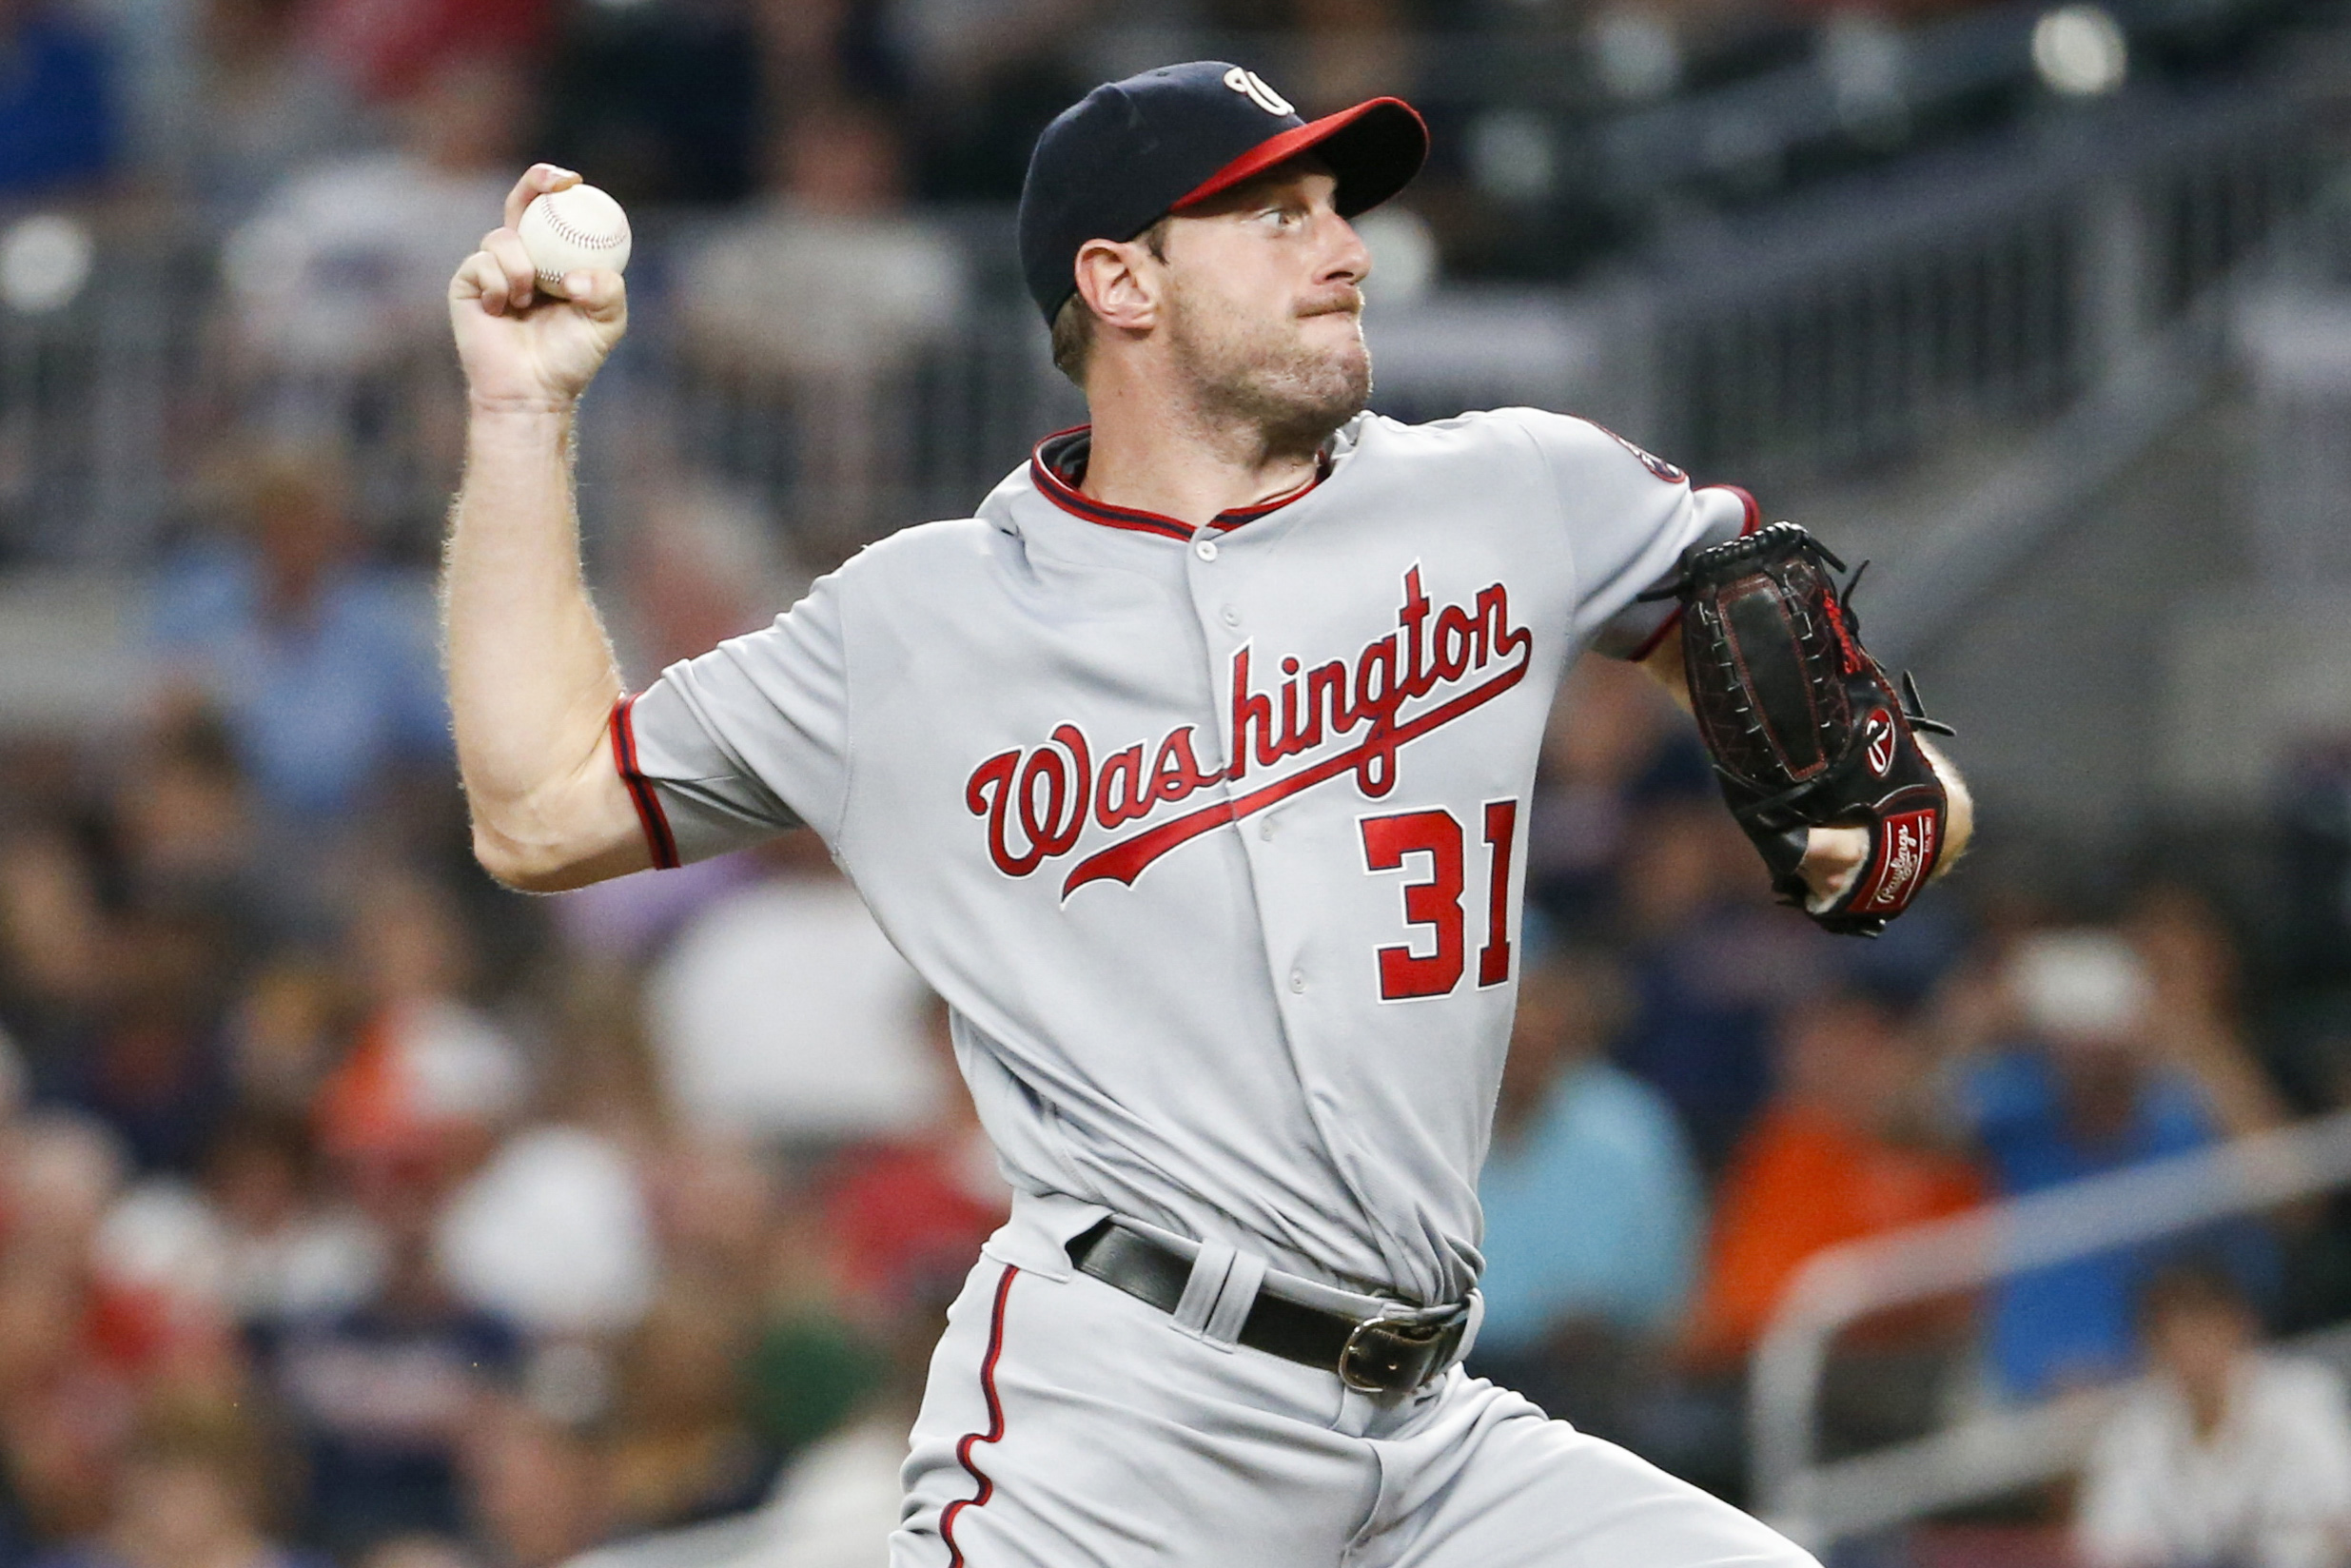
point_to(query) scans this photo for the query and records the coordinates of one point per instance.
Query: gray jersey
(1211, 841)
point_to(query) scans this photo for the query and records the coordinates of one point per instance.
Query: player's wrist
(522, 407)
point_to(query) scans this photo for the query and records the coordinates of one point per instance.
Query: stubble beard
(1291, 392)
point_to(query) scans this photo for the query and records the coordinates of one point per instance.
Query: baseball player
(1191, 771)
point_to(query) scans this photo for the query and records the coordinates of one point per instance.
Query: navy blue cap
(1131, 152)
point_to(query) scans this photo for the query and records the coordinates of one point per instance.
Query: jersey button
(1265, 829)
(1233, 617)
(1204, 549)
(1297, 982)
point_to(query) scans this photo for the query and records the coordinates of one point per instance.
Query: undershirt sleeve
(1629, 517)
(742, 743)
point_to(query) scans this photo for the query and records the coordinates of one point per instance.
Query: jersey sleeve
(738, 744)
(1629, 517)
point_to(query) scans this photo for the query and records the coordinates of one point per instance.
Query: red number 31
(1437, 902)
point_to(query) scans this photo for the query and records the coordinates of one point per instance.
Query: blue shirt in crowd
(317, 708)
(2074, 1321)
(1594, 1210)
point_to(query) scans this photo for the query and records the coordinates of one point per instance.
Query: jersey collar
(1057, 467)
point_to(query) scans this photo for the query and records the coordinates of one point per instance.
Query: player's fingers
(505, 245)
(537, 180)
(598, 292)
(1832, 858)
(479, 277)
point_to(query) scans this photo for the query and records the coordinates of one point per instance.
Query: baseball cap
(1131, 152)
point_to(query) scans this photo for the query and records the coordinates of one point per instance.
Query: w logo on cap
(1258, 93)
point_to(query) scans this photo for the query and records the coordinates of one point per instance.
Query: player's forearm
(532, 680)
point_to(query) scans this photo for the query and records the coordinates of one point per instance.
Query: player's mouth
(1350, 304)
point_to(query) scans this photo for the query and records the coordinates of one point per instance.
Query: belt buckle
(1401, 1350)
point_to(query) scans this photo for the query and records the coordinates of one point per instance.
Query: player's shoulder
(921, 546)
(1569, 444)
(901, 567)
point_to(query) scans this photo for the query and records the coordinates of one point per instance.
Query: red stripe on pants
(994, 1432)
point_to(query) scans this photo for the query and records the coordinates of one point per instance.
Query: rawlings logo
(1877, 741)
(1910, 848)
(1349, 717)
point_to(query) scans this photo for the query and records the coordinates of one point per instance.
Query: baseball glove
(1805, 729)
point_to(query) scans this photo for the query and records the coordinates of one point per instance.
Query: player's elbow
(532, 864)
(523, 868)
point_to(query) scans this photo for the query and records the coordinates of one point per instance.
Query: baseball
(566, 231)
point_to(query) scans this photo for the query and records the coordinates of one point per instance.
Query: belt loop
(1204, 1286)
(1469, 1331)
(1234, 1301)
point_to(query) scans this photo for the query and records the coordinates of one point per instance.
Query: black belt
(1385, 1355)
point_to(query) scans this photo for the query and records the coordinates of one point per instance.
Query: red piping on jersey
(1077, 504)
(1288, 144)
(649, 815)
(1752, 521)
(994, 1434)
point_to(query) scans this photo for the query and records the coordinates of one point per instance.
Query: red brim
(1374, 148)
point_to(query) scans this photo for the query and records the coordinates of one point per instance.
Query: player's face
(1264, 304)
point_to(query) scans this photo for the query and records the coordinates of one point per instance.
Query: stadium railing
(1994, 1452)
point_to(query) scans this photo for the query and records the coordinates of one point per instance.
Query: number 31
(1437, 903)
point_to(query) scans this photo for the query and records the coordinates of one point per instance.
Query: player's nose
(1345, 258)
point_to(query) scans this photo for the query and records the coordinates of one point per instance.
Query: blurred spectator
(553, 1235)
(1592, 1206)
(2096, 1083)
(324, 666)
(661, 101)
(53, 935)
(153, 1063)
(343, 270)
(836, 1501)
(191, 1493)
(1711, 962)
(1615, 743)
(428, 1073)
(59, 124)
(183, 818)
(532, 1486)
(909, 1214)
(681, 1449)
(820, 296)
(703, 565)
(382, 1396)
(265, 103)
(2225, 1453)
(783, 1010)
(987, 75)
(1845, 1149)
(292, 1253)
(284, 1033)
(68, 1403)
(390, 52)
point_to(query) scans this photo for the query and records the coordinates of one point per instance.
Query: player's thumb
(598, 292)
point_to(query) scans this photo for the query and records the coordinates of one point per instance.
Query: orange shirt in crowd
(1803, 1181)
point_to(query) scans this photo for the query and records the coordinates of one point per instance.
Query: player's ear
(1119, 283)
